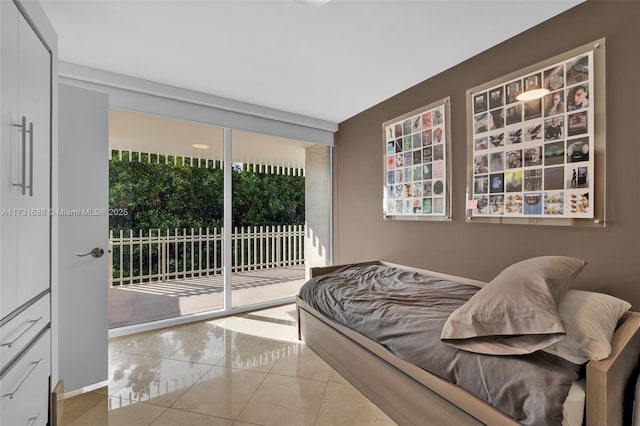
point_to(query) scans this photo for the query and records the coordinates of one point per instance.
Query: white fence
(161, 255)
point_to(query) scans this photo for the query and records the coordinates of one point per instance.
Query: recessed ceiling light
(532, 94)
(200, 146)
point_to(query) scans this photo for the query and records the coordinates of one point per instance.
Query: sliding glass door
(166, 234)
(268, 220)
(213, 220)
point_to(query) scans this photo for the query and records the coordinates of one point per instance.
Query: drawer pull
(34, 419)
(31, 324)
(35, 365)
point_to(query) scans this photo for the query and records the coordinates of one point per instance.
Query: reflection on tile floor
(248, 369)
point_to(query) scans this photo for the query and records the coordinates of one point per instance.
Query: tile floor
(248, 369)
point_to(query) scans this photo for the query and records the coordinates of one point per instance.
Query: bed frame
(412, 396)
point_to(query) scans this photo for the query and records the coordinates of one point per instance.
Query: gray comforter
(405, 312)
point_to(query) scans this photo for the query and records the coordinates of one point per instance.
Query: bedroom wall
(478, 250)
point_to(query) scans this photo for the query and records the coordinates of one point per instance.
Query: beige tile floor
(248, 369)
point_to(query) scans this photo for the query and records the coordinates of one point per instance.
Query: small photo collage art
(535, 157)
(416, 165)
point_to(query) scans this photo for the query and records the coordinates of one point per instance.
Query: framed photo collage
(417, 179)
(535, 148)
(534, 158)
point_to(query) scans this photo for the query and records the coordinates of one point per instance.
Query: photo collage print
(534, 158)
(416, 155)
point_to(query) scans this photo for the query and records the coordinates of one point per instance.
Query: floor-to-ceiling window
(167, 241)
(268, 220)
(167, 195)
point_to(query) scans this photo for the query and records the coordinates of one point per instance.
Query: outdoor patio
(139, 303)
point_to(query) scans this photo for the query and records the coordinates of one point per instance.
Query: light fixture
(532, 94)
(312, 2)
(200, 146)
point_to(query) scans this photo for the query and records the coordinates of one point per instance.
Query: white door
(83, 188)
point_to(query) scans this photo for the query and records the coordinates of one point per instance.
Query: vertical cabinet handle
(30, 159)
(24, 131)
(33, 368)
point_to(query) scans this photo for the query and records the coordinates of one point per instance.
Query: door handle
(96, 252)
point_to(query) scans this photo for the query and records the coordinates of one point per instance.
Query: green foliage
(168, 196)
(265, 199)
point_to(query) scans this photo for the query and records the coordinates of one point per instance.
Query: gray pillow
(516, 313)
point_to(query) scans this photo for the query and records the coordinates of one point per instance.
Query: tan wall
(478, 250)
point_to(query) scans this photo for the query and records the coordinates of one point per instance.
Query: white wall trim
(330, 204)
(228, 220)
(147, 96)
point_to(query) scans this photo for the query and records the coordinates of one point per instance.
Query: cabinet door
(16, 333)
(34, 103)
(24, 389)
(9, 146)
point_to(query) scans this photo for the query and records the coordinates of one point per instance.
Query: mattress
(405, 312)
(573, 407)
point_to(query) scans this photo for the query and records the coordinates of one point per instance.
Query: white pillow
(590, 320)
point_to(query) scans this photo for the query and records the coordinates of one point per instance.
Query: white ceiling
(328, 62)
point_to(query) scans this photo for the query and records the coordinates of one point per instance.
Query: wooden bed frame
(412, 396)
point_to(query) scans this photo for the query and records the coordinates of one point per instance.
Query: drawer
(16, 334)
(24, 388)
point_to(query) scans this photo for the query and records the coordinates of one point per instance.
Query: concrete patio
(139, 303)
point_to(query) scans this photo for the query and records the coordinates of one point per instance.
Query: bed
(411, 395)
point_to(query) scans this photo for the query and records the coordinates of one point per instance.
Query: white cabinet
(25, 221)
(25, 165)
(8, 162)
(34, 104)
(20, 330)
(24, 389)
